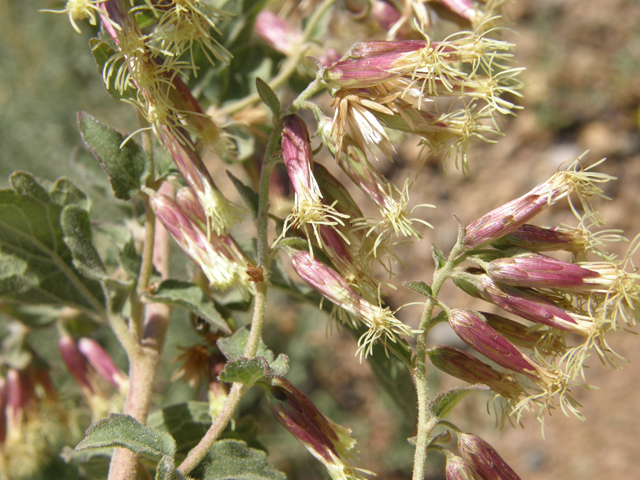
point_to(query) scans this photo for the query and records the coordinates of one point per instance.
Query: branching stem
(238, 389)
(426, 420)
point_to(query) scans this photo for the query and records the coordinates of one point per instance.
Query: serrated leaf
(185, 422)
(232, 459)
(36, 266)
(245, 370)
(419, 287)
(250, 370)
(233, 347)
(76, 229)
(190, 296)
(268, 96)
(248, 195)
(445, 402)
(127, 167)
(126, 432)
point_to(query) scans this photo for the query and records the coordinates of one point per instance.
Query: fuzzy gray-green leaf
(232, 459)
(36, 266)
(127, 166)
(190, 296)
(245, 370)
(445, 402)
(186, 422)
(268, 96)
(126, 432)
(76, 229)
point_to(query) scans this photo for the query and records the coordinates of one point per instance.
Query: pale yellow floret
(81, 10)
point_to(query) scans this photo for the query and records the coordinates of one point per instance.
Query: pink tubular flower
(463, 8)
(507, 218)
(541, 239)
(309, 208)
(521, 335)
(102, 363)
(277, 32)
(540, 271)
(484, 458)
(209, 253)
(385, 13)
(468, 368)
(378, 85)
(458, 469)
(526, 303)
(188, 202)
(329, 443)
(330, 284)
(76, 364)
(391, 201)
(549, 380)
(485, 340)
(219, 211)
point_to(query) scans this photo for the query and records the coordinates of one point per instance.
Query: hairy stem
(238, 389)
(145, 352)
(426, 421)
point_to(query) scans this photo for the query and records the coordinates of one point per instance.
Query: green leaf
(233, 460)
(166, 470)
(438, 257)
(190, 296)
(419, 287)
(126, 432)
(36, 266)
(127, 166)
(445, 402)
(185, 422)
(248, 195)
(233, 348)
(76, 229)
(245, 370)
(268, 96)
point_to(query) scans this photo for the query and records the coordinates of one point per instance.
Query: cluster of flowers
(33, 419)
(564, 301)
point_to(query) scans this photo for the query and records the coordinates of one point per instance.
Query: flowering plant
(553, 295)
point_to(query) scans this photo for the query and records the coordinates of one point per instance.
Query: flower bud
(219, 211)
(329, 443)
(521, 335)
(484, 459)
(485, 340)
(102, 362)
(538, 239)
(507, 218)
(468, 368)
(332, 286)
(539, 271)
(208, 253)
(458, 469)
(298, 159)
(76, 363)
(522, 302)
